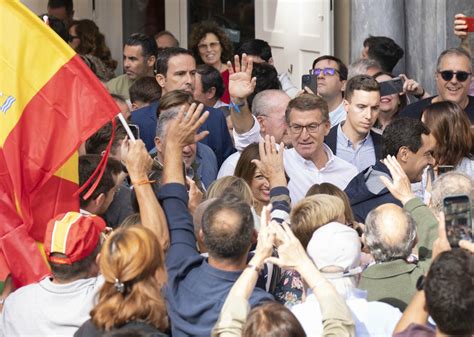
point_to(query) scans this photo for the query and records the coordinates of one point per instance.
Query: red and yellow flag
(50, 103)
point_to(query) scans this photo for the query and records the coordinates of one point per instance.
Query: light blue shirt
(337, 115)
(362, 156)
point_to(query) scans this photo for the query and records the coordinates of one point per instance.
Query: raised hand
(241, 83)
(136, 158)
(182, 130)
(411, 87)
(271, 162)
(460, 26)
(400, 186)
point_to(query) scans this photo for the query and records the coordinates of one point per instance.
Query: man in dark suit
(353, 140)
(175, 69)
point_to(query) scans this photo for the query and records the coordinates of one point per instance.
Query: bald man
(390, 235)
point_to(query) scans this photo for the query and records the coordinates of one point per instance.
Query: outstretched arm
(173, 193)
(138, 163)
(460, 30)
(241, 86)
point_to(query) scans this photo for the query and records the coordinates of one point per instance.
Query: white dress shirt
(303, 173)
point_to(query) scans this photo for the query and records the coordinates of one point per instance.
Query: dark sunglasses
(447, 75)
(325, 71)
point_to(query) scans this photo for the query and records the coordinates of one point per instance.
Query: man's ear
(261, 121)
(343, 88)
(161, 79)
(403, 154)
(346, 105)
(211, 93)
(270, 60)
(151, 61)
(159, 145)
(99, 201)
(134, 106)
(201, 235)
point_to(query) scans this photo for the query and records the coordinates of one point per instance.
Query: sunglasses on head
(325, 71)
(447, 75)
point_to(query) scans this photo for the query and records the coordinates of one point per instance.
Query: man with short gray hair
(203, 172)
(390, 235)
(268, 110)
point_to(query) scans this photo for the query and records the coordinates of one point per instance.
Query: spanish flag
(50, 103)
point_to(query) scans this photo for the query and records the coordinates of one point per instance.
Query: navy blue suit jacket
(331, 141)
(218, 139)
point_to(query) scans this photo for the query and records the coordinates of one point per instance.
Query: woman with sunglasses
(211, 46)
(453, 77)
(86, 39)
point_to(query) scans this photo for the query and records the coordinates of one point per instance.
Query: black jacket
(331, 141)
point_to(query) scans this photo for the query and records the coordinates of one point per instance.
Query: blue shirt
(362, 156)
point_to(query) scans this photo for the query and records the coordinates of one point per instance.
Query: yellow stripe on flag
(69, 169)
(21, 82)
(60, 231)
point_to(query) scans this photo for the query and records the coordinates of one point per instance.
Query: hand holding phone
(393, 86)
(470, 24)
(458, 219)
(310, 81)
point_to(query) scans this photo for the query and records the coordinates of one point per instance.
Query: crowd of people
(247, 207)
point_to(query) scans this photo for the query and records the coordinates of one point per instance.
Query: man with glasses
(310, 161)
(353, 139)
(453, 77)
(332, 76)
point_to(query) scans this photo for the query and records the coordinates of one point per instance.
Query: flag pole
(127, 128)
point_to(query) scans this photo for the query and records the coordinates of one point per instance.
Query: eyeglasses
(212, 45)
(325, 71)
(447, 75)
(310, 128)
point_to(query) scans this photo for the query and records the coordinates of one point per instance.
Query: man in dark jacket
(352, 139)
(411, 143)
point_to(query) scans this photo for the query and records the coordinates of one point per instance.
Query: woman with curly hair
(212, 46)
(451, 128)
(133, 268)
(86, 39)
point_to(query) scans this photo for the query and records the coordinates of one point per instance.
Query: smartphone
(393, 86)
(135, 130)
(458, 218)
(470, 24)
(442, 169)
(310, 81)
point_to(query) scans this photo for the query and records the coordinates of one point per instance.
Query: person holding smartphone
(462, 30)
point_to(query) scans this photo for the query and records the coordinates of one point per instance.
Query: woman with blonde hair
(306, 217)
(133, 267)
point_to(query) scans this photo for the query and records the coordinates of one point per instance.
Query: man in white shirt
(310, 161)
(268, 109)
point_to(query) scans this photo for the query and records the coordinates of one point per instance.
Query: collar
(308, 162)
(346, 140)
(389, 269)
(84, 212)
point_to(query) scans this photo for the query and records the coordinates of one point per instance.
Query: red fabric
(226, 97)
(63, 114)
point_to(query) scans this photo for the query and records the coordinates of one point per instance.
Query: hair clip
(119, 286)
